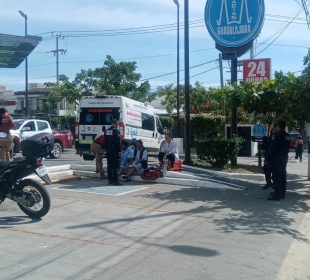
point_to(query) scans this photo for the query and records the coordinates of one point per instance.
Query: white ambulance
(136, 120)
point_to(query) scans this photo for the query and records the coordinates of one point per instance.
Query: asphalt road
(154, 231)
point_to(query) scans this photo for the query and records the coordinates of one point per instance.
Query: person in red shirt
(6, 140)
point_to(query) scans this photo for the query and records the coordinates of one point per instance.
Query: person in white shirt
(168, 149)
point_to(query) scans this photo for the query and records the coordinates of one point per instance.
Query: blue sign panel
(259, 131)
(233, 23)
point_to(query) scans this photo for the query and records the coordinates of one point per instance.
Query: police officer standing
(113, 149)
(278, 155)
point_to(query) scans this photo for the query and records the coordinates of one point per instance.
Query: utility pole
(187, 137)
(234, 80)
(178, 67)
(221, 70)
(222, 79)
(252, 53)
(26, 66)
(56, 53)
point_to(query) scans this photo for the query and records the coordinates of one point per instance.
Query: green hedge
(203, 126)
(218, 151)
(206, 126)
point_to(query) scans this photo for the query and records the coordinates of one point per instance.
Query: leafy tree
(65, 89)
(114, 79)
(201, 99)
(168, 95)
(111, 79)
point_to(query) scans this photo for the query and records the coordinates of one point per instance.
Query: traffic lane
(67, 157)
(179, 231)
(82, 235)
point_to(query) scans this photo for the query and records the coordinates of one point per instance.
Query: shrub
(207, 126)
(218, 151)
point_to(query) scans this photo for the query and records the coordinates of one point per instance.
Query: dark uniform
(113, 149)
(267, 166)
(278, 156)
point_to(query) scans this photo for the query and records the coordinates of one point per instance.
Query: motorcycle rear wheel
(39, 196)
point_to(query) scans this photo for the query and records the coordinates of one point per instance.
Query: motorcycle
(31, 196)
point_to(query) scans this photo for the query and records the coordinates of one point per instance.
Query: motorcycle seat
(5, 164)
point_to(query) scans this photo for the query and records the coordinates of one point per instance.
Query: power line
(280, 32)
(170, 73)
(204, 72)
(151, 29)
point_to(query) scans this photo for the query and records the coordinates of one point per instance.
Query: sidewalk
(294, 167)
(190, 176)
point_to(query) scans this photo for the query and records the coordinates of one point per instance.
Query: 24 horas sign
(234, 23)
(256, 70)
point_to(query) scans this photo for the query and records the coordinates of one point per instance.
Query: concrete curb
(173, 178)
(67, 172)
(191, 183)
(258, 177)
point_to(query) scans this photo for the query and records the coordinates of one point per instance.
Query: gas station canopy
(14, 49)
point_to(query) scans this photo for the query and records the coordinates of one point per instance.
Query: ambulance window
(96, 116)
(148, 122)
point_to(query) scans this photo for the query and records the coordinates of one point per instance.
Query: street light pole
(26, 66)
(187, 159)
(178, 67)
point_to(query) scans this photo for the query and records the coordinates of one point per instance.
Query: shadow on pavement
(248, 211)
(17, 220)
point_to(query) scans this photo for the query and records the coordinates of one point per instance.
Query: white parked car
(26, 128)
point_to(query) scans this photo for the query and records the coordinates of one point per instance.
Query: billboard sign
(256, 70)
(234, 23)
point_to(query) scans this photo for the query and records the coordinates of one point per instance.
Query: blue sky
(154, 52)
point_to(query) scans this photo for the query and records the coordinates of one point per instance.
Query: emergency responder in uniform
(96, 148)
(113, 149)
(267, 163)
(278, 155)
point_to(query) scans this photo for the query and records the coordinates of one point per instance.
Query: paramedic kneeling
(140, 161)
(96, 148)
(168, 149)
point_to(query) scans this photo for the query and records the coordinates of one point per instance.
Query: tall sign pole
(234, 25)
(187, 158)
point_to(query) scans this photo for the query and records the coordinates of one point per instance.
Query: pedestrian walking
(113, 150)
(96, 148)
(279, 149)
(299, 148)
(6, 140)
